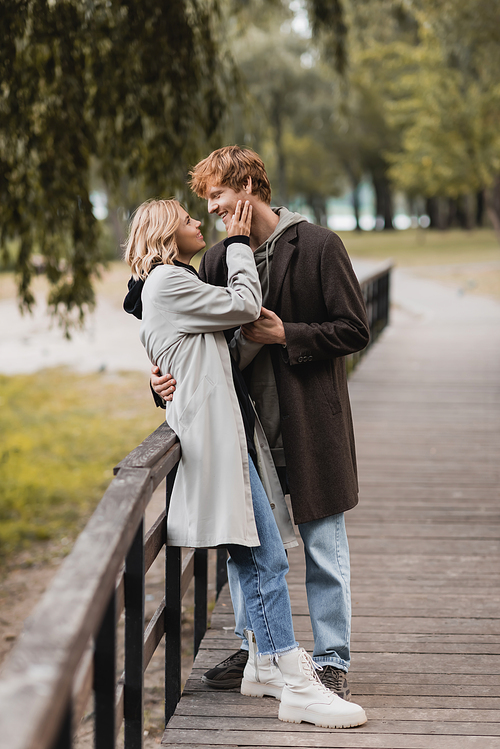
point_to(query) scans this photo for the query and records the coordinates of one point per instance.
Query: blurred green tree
(136, 86)
(288, 114)
(442, 94)
(365, 134)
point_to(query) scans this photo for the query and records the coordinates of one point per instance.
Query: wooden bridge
(425, 548)
(425, 555)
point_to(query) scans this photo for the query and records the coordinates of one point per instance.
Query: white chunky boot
(305, 698)
(260, 677)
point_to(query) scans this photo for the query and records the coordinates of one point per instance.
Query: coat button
(310, 358)
(300, 359)
(272, 505)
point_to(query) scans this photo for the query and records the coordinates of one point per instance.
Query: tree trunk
(118, 230)
(280, 151)
(355, 179)
(470, 211)
(460, 212)
(383, 200)
(318, 205)
(479, 208)
(356, 204)
(443, 214)
(432, 210)
(492, 200)
(452, 212)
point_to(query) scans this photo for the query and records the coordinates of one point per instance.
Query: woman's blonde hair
(151, 237)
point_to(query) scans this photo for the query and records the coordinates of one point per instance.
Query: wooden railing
(68, 648)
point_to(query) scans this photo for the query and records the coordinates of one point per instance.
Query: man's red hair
(231, 166)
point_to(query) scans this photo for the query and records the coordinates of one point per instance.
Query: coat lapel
(283, 251)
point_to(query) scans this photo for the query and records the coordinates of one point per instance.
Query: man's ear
(247, 187)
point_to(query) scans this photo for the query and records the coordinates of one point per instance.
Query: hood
(263, 255)
(133, 302)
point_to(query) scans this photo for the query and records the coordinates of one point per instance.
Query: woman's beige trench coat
(182, 323)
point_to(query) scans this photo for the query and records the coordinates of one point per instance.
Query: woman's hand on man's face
(163, 386)
(241, 220)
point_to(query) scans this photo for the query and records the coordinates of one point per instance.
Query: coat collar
(285, 247)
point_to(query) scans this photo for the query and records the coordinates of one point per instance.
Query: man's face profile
(222, 200)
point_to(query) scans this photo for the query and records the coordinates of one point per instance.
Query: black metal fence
(68, 649)
(376, 293)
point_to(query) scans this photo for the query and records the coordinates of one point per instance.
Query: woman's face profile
(188, 236)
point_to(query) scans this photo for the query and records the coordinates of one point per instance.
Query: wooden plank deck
(425, 550)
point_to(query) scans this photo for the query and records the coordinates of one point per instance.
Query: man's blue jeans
(328, 590)
(261, 572)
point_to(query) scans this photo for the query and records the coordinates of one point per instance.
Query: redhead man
(293, 360)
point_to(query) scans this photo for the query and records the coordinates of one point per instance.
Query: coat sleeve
(242, 350)
(202, 308)
(346, 328)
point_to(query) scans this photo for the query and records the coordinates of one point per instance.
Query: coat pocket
(196, 401)
(325, 381)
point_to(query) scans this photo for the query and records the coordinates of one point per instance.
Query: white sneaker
(305, 698)
(261, 677)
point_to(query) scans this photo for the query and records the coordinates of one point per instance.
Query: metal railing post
(173, 610)
(200, 597)
(105, 679)
(221, 573)
(65, 737)
(134, 642)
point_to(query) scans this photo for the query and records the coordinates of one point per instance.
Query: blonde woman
(218, 498)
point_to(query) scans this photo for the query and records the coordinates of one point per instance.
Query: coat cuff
(296, 353)
(160, 403)
(240, 238)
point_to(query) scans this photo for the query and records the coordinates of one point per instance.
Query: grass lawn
(61, 435)
(424, 247)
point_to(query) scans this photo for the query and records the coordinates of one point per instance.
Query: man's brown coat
(314, 290)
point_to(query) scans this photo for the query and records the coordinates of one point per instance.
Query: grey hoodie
(263, 384)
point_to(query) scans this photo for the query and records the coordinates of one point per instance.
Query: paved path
(425, 547)
(109, 340)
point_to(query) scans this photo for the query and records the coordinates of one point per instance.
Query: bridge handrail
(68, 646)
